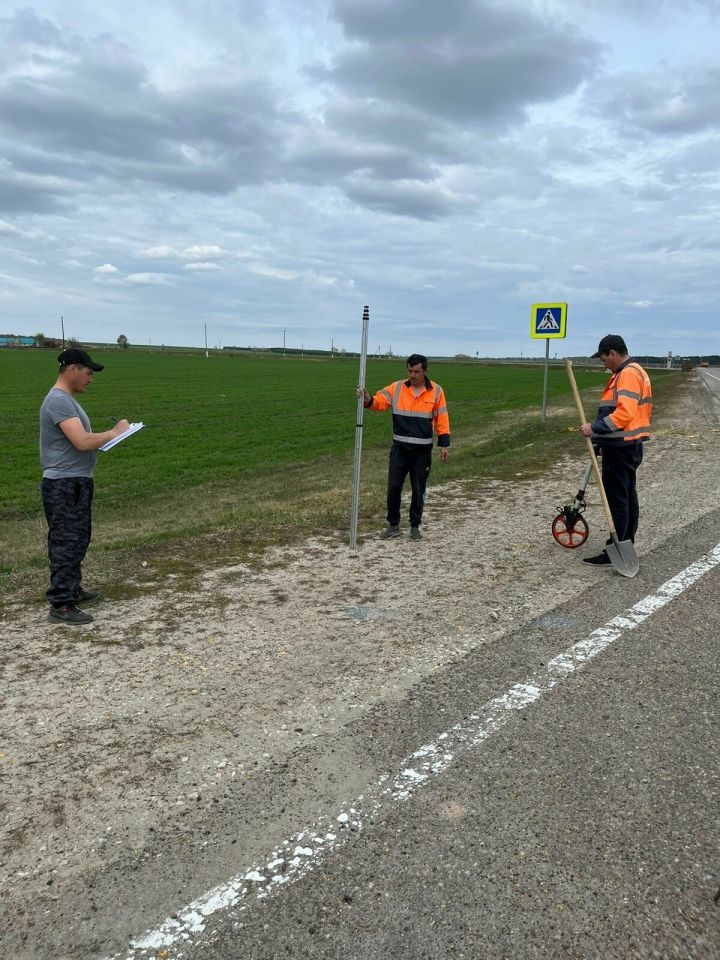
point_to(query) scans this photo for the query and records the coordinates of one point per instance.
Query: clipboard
(133, 428)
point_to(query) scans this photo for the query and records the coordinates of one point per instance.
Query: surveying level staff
(68, 451)
(418, 406)
(621, 427)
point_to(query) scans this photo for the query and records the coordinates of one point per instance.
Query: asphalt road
(586, 826)
(589, 826)
(711, 378)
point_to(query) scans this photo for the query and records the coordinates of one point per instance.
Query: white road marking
(711, 375)
(298, 856)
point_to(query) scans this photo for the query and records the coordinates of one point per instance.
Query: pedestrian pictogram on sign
(548, 320)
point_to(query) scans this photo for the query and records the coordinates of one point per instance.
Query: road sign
(548, 321)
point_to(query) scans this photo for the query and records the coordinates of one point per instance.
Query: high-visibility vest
(625, 407)
(415, 417)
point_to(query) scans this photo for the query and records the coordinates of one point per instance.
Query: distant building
(9, 340)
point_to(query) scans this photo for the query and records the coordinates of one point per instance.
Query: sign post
(359, 431)
(548, 321)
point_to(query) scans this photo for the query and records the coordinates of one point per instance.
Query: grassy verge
(183, 533)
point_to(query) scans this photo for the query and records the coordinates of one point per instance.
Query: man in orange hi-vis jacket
(621, 428)
(418, 407)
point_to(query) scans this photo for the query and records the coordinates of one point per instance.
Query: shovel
(621, 553)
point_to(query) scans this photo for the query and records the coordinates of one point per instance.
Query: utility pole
(332, 348)
(206, 346)
(62, 327)
(284, 332)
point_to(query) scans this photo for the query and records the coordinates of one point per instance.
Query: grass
(239, 452)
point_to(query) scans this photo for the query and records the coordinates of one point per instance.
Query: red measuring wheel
(569, 535)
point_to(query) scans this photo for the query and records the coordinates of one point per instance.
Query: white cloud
(106, 268)
(204, 252)
(13, 231)
(276, 273)
(162, 252)
(149, 279)
(6, 227)
(201, 265)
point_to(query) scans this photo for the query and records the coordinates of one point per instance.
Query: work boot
(415, 533)
(392, 530)
(601, 560)
(69, 614)
(87, 596)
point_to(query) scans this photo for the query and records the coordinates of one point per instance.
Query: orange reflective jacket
(625, 407)
(414, 417)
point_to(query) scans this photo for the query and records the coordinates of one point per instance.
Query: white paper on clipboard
(133, 428)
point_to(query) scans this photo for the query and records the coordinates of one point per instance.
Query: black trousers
(404, 460)
(619, 466)
(68, 508)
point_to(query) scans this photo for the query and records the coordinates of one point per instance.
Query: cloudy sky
(261, 165)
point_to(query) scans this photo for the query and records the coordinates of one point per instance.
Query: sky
(266, 168)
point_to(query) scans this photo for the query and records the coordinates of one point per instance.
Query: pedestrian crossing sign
(548, 321)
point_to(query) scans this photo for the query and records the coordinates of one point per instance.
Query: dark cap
(73, 355)
(612, 341)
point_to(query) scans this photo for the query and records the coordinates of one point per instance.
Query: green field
(257, 446)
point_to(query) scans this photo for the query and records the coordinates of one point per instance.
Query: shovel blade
(623, 557)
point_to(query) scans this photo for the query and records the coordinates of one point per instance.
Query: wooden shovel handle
(591, 451)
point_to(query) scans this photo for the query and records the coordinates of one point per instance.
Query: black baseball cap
(73, 355)
(612, 341)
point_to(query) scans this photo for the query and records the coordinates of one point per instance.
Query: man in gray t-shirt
(68, 451)
(58, 456)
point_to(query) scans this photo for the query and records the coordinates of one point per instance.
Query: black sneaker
(601, 560)
(70, 614)
(392, 530)
(87, 596)
(415, 533)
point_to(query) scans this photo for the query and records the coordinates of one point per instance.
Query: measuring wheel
(569, 533)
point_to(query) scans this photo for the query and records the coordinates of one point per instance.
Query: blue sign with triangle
(548, 321)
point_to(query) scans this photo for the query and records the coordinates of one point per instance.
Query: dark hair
(415, 358)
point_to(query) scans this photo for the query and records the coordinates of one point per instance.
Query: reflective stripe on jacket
(415, 417)
(625, 407)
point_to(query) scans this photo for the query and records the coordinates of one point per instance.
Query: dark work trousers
(619, 465)
(404, 460)
(68, 504)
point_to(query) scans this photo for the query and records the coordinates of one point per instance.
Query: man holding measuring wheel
(619, 431)
(418, 408)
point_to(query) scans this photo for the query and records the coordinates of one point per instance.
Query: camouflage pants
(68, 504)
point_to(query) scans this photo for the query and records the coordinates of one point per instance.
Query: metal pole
(283, 343)
(206, 348)
(545, 378)
(359, 432)
(62, 327)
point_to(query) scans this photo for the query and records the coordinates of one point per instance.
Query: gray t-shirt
(59, 458)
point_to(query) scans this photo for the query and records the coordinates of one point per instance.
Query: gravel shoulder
(116, 734)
